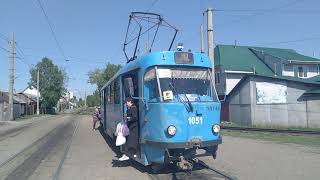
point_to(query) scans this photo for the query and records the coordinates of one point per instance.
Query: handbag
(124, 129)
(121, 140)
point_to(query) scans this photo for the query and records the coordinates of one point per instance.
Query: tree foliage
(52, 81)
(80, 102)
(99, 77)
(93, 100)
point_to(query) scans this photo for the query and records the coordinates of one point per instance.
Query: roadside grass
(27, 117)
(232, 124)
(85, 111)
(309, 140)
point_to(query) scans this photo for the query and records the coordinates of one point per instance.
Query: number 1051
(195, 120)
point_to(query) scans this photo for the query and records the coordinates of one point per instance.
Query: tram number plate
(195, 120)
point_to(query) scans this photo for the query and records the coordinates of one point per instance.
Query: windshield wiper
(189, 103)
(188, 106)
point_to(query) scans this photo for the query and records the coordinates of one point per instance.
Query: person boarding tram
(131, 118)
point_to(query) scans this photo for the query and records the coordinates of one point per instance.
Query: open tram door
(131, 90)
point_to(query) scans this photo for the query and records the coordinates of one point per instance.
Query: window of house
(288, 67)
(301, 71)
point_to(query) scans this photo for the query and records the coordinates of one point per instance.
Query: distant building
(267, 86)
(274, 101)
(31, 103)
(234, 62)
(31, 92)
(19, 106)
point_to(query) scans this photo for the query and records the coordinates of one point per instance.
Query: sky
(91, 33)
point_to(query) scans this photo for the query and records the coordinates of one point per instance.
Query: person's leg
(94, 124)
(132, 140)
(124, 157)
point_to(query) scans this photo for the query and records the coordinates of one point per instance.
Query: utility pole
(85, 98)
(201, 39)
(210, 41)
(38, 93)
(11, 76)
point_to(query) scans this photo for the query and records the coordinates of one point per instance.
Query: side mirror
(222, 97)
(128, 86)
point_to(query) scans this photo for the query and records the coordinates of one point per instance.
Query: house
(234, 62)
(267, 86)
(276, 101)
(31, 103)
(18, 106)
(315, 78)
(31, 92)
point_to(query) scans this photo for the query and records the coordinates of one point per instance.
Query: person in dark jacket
(131, 118)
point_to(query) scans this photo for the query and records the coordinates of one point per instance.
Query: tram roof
(162, 58)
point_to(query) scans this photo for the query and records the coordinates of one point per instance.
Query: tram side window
(151, 88)
(117, 91)
(109, 95)
(112, 93)
(106, 95)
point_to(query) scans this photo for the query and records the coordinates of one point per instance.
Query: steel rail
(29, 146)
(214, 170)
(284, 131)
(58, 170)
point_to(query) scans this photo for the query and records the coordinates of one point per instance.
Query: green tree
(99, 77)
(80, 103)
(94, 99)
(52, 82)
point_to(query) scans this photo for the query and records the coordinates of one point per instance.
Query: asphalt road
(65, 147)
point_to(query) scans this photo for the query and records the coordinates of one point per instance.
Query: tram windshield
(188, 84)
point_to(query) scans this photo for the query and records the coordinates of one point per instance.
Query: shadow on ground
(168, 172)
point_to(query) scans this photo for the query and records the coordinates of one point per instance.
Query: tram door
(130, 83)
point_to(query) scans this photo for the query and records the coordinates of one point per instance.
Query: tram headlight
(216, 128)
(171, 130)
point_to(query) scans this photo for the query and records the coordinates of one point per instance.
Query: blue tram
(178, 108)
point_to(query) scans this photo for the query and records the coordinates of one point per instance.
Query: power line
(4, 49)
(4, 38)
(291, 41)
(305, 11)
(19, 50)
(51, 29)
(261, 13)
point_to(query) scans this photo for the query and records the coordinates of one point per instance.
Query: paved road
(254, 159)
(65, 147)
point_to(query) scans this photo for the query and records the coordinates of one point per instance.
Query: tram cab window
(151, 87)
(195, 83)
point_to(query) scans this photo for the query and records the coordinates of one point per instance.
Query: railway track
(58, 170)
(12, 132)
(22, 165)
(200, 171)
(283, 131)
